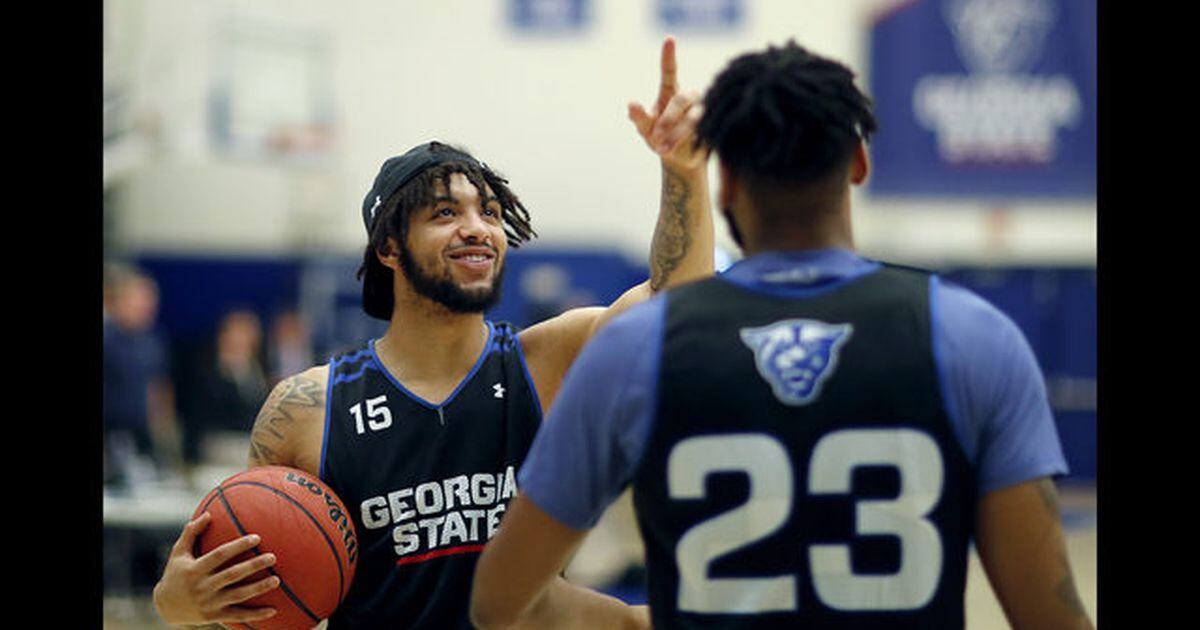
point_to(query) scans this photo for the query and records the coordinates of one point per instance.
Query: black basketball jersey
(802, 470)
(426, 484)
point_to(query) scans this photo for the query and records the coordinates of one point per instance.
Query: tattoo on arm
(1065, 590)
(671, 238)
(1049, 495)
(269, 433)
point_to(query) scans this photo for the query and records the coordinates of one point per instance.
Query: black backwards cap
(397, 171)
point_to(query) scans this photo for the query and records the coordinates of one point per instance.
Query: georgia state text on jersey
(427, 484)
(453, 515)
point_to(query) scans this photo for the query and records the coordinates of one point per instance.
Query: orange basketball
(303, 523)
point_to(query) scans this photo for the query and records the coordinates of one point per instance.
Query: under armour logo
(499, 390)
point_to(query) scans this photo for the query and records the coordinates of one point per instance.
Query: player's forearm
(682, 247)
(1023, 550)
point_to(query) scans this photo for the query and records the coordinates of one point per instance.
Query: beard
(444, 291)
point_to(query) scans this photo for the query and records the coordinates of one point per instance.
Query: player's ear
(860, 164)
(389, 257)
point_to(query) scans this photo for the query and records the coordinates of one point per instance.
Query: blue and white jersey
(426, 483)
(819, 384)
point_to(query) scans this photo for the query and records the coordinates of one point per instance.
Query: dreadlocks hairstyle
(393, 222)
(785, 116)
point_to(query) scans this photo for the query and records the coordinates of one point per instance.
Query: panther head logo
(796, 356)
(1000, 36)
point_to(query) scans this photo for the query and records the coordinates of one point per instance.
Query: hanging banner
(548, 16)
(993, 98)
(700, 15)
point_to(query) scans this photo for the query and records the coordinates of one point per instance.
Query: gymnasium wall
(241, 137)
(546, 108)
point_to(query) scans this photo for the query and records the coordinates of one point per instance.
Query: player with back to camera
(813, 437)
(421, 432)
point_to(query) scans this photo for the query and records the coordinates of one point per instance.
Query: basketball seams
(328, 541)
(220, 494)
(212, 496)
(311, 498)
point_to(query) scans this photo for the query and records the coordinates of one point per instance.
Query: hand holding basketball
(298, 520)
(195, 590)
(271, 546)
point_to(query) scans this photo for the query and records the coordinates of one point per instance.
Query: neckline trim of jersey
(487, 349)
(799, 274)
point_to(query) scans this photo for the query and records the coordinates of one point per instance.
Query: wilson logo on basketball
(335, 513)
(303, 523)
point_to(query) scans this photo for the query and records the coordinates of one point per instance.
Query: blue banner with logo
(700, 15)
(548, 16)
(993, 98)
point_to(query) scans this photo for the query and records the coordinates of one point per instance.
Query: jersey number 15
(379, 417)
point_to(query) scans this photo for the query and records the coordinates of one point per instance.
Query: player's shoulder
(575, 324)
(977, 341)
(549, 336)
(302, 389)
(288, 428)
(626, 347)
(639, 321)
(959, 310)
(623, 330)
(315, 374)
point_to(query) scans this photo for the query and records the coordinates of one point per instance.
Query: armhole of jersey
(953, 413)
(537, 398)
(328, 415)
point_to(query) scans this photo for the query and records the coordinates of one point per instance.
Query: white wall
(548, 112)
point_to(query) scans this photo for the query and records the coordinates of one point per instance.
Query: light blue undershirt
(593, 438)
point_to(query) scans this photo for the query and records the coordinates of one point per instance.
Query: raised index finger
(668, 84)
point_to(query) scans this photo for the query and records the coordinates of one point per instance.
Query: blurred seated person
(140, 434)
(231, 386)
(290, 346)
